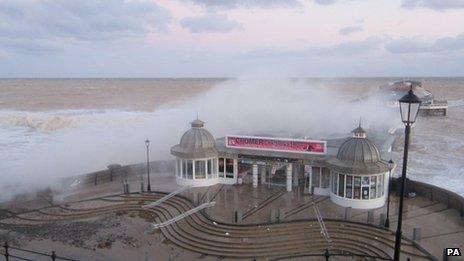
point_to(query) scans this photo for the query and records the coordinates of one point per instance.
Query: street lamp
(147, 144)
(391, 164)
(409, 108)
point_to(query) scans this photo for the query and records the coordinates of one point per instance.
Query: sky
(231, 38)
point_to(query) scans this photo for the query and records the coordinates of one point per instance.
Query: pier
(435, 108)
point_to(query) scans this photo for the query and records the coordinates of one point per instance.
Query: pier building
(349, 170)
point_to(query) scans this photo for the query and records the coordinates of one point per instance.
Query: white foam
(41, 146)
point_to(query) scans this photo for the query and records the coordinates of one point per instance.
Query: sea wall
(434, 193)
(117, 172)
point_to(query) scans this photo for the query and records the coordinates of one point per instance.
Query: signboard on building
(276, 144)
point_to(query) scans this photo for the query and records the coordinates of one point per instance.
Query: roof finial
(197, 115)
(197, 123)
(359, 132)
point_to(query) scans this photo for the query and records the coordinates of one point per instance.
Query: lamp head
(409, 107)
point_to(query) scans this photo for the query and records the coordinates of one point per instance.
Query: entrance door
(365, 192)
(276, 175)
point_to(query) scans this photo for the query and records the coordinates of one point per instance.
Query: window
(209, 168)
(229, 168)
(357, 188)
(365, 187)
(365, 181)
(373, 187)
(349, 186)
(325, 178)
(365, 192)
(333, 177)
(221, 167)
(316, 177)
(380, 188)
(335, 183)
(341, 185)
(189, 169)
(215, 168)
(200, 169)
(184, 169)
(332, 180)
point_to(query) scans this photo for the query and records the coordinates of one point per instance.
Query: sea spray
(71, 142)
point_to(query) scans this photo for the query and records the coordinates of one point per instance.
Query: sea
(55, 128)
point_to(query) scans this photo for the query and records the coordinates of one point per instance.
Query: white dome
(197, 142)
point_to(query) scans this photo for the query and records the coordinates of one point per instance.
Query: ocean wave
(43, 122)
(51, 121)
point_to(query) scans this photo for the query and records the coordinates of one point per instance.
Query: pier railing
(183, 215)
(321, 224)
(163, 199)
(337, 255)
(16, 253)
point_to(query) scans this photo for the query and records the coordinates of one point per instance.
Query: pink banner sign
(277, 144)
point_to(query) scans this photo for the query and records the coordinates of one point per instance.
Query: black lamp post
(409, 108)
(147, 144)
(391, 164)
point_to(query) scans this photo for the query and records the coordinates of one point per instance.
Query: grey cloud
(25, 45)
(450, 43)
(414, 45)
(357, 48)
(210, 23)
(35, 22)
(408, 45)
(325, 2)
(350, 29)
(433, 4)
(228, 4)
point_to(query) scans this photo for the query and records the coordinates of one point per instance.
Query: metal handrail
(321, 224)
(183, 215)
(170, 195)
(327, 254)
(7, 254)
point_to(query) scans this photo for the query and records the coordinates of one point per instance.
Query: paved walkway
(440, 227)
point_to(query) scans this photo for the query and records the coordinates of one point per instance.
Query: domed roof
(197, 142)
(358, 148)
(358, 155)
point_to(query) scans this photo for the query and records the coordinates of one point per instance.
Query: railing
(327, 254)
(183, 215)
(10, 253)
(321, 224)
(170, 195)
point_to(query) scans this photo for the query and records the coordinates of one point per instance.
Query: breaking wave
(36, 121)
(39, 146)
(54, 121)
